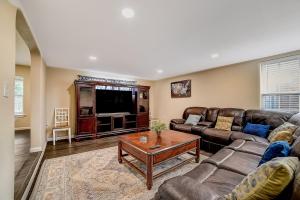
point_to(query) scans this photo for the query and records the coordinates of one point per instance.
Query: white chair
(61, 122)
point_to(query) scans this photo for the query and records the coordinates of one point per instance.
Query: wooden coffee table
(172, 144)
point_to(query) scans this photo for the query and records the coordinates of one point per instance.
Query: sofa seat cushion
(205, 181)
(217, 136)
(244, 136)
(239, 162)
(223, 181)
(185, 188)
(251, 147)
(202, 172)
(183, 127)
(206, 124)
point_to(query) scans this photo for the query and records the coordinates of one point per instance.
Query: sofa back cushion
(296, 185)
(274, 119)
(194, 111)
(295, 119)
(295, 151)
(212, 114)
(236, 113)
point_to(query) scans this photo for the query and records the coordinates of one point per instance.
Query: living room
(150, 99)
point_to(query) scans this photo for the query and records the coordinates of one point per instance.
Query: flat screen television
(113, 101)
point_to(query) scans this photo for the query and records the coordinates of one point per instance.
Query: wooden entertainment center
(90, 124)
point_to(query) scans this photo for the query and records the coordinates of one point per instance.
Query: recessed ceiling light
(92, 58)
(160, 71)
(128, 13)
(214, 55)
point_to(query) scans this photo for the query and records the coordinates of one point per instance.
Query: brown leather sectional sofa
(219, 174)
(214, 139)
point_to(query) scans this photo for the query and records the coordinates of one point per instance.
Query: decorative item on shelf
(181, 89)
(158, 127)
(104, 80)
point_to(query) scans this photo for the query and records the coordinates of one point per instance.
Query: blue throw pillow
(276, 149)
(257, 129)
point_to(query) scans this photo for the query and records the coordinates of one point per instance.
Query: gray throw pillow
(193, 119)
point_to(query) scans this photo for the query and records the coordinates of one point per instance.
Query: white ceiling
(177, 36)
(22, 51)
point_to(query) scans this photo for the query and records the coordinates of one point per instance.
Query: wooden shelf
(107, 124)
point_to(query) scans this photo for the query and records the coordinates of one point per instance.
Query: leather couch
(213, 139)
(219, 174)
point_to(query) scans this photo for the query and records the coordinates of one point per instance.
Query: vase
(158, 133)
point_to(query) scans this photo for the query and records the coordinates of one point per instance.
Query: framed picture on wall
(181, 89)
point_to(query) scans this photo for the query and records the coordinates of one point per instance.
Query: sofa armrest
(237, 128)
(236, 135)
(178, 121)
(184, 187)
(206, 124)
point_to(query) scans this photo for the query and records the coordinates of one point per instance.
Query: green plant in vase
(158, 127)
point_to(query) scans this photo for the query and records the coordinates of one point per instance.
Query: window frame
(19, 114)
(261, 94)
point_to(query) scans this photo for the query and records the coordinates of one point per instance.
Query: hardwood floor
(25, 162)
(63, 148)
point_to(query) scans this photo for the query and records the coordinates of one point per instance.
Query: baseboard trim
(22, 128)
(27, 190)
(50, 139)
(35, 149)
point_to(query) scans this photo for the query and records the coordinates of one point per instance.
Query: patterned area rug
(98, 175)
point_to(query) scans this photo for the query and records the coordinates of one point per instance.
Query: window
(19, 95)
(280, 84)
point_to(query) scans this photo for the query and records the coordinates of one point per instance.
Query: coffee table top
(168, 139)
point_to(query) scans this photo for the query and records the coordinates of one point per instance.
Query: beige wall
(24, 71)
(60, 92)
(229, 86)
(37, 102)
(7, 74)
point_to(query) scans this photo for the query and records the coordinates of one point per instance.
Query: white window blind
(19, 95)
(280, 84)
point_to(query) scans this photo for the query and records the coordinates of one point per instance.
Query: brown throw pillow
(224, 123)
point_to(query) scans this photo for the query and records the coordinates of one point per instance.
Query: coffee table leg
(149, 177)
(120, 152)
(197, 159)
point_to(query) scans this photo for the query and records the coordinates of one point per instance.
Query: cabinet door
(86, 126)
(143, 100)
(143, 120)
(86, 100)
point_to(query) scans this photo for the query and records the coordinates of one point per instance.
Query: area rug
(98, 175)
